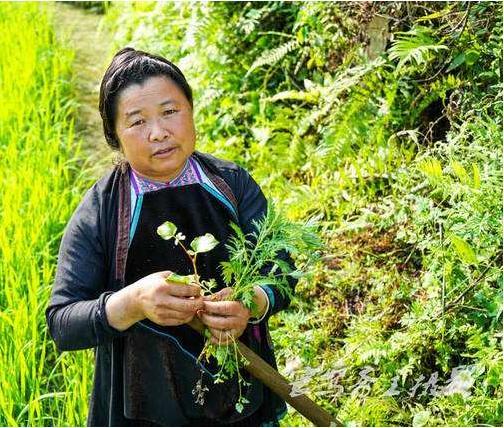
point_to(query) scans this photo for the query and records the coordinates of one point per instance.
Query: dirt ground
(81, 31)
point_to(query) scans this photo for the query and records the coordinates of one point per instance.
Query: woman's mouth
(164, 153)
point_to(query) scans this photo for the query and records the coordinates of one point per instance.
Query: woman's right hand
(167, 303)
(151, 297)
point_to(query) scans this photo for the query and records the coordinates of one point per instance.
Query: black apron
(160, 367)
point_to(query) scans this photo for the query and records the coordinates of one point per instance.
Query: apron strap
(123, 222)
(219, 182)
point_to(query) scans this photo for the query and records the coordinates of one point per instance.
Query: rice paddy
(40, 187)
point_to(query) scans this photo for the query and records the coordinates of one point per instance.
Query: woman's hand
(166, 304)
(227, 319)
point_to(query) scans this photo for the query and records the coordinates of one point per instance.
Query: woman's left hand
(226, 319)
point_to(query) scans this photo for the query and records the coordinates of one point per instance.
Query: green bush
(397, 153)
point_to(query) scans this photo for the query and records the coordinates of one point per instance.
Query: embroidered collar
(188, 175)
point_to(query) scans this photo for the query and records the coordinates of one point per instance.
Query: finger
(182, 290)
(169, 318)
(197, 324)
(222, 323)
(183, 317)
(221, 342)
(225, 308)
(170, 322)
(164, 273)
(219, 295)
(188, 319)
(182, 304)
(212, 297)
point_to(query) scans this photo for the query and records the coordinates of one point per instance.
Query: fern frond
(414, 46)
(432, 169)
(273, 56)
(332, 92)
(310, 97)
(227, 272)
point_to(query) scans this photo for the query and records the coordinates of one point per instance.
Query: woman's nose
(158, 132)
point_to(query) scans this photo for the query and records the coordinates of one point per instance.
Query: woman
(110, 290)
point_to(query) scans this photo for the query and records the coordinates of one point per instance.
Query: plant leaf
(460, 172)
(421, 418)
(297, 274)
(180, 279)
(202, 244)
(458, 60)
(471, 56)
(476, 176)
(167, 230)
(463, 250)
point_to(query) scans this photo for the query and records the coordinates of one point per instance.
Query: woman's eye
(137, 122)
(169, 112)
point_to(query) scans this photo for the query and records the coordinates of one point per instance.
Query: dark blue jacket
(90, 268)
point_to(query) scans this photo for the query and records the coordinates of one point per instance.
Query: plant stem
(193, 261)
(238, 367)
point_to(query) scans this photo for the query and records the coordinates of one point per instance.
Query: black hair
(130, 66)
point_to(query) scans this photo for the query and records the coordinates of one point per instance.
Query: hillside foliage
(390, 136)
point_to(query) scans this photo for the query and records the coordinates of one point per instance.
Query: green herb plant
(254, 259)
(200, 244)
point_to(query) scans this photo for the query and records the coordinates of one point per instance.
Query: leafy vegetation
(397, 151)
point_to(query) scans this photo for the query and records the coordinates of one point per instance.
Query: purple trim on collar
(134, 182)
(195, 168)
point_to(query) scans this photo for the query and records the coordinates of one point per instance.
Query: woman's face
(155, 127)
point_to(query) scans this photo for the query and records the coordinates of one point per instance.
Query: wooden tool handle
(261, 370)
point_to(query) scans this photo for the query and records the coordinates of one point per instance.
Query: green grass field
(41, 185)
